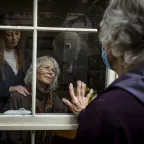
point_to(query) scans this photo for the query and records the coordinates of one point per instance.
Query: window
(65, 30)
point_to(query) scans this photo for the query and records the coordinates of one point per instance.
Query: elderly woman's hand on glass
(79, 100)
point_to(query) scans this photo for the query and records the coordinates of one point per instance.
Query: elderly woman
(46, 99)
(117, 115)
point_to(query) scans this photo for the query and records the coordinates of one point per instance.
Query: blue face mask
(104, 57)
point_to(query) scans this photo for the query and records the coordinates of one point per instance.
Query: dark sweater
(8, 79)
(116, 116)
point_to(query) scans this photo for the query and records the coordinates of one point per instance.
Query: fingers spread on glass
(79, 99)
(90, 94)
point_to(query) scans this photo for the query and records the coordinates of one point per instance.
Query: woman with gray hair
(46, 99)
(41, 63)
(117, 115)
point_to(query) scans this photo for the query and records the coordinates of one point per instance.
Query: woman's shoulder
(16, 94)
(115, 94)
(110, 100)
(18, 100)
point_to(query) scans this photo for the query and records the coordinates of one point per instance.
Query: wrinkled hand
(22, 90)
(79, 100)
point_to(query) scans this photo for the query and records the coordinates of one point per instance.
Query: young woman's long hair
(19, 47)
(19, 52)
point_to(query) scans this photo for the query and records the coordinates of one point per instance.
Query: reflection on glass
(71, 13)
(79, 58)
(20, 13)
(72, 56)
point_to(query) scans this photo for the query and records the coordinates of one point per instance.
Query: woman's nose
(14, 37)
(50, 71)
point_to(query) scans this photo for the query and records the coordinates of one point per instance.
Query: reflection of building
(58, 13)
(73, 60)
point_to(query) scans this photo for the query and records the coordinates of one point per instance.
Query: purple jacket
(116, 116)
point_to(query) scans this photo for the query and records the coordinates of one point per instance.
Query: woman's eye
(8, 34)
(53, 71)
(17, 33)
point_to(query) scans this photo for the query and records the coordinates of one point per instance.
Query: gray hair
(123, 28)
(40, 60)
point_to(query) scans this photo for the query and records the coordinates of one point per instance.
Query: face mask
(105, 59)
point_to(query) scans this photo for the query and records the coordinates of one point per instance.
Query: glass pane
(16, 57)
(16, 53)
(71, 13)
(19, 13)
(79, 58)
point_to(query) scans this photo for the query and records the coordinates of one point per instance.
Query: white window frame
(110, 77)
(49, 121)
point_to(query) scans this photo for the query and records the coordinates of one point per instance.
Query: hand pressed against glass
(79, 100)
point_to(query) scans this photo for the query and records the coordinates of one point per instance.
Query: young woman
(11, 63)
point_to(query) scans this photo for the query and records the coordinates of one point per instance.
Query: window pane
(79, 58)
(19, 13)
(16, 57)
(71, 13)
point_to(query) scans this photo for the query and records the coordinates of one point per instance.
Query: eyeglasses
(48, 68)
